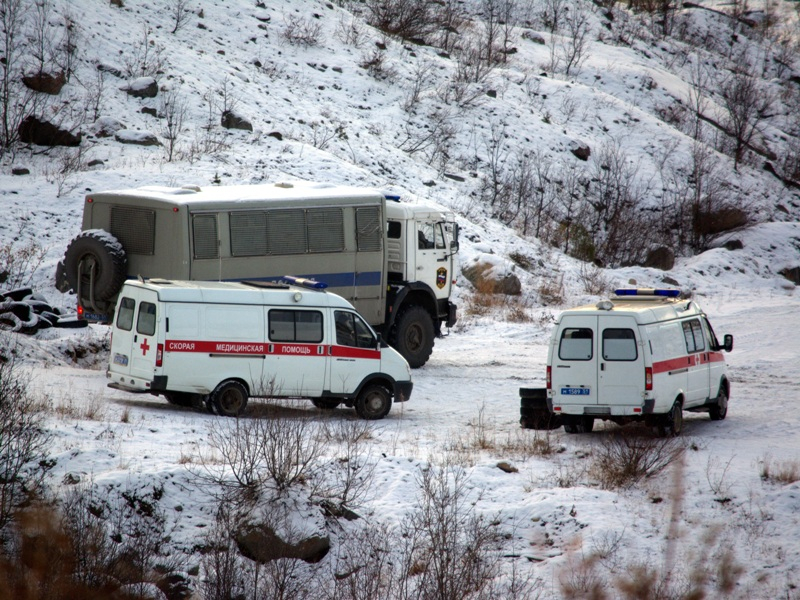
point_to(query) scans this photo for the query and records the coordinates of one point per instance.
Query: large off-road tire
(373, 402)
(326, 403)
(229, 398)
(720, 410)
(101, 250)
(413, 335)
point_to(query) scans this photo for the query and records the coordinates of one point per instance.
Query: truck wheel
(325, 403)
(101, 250)
(229, 399)
(720, 409)
(413, 335)
(373, 402)
(671, 424)
(577, 424)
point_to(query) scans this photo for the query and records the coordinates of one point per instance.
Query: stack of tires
(533, 410)
(22, 311)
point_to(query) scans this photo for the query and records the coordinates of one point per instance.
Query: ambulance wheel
(413, 335)
(325, 403)
(229, 399)
(373, 402)
(95, 251)
(720, 410)
(577, 424)
(671, 424)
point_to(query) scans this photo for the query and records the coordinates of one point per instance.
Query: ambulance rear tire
(413, 335)
(720, 410)
(577, 424)
(325, 403)
(373, 402)
(671, 424)
(229, 399)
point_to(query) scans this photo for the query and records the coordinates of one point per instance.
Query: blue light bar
(392, 197)
(305, 282)
(648, 292)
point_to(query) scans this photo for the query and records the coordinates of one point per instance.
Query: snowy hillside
(591, 135)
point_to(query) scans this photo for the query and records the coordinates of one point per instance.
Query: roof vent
(191, 188)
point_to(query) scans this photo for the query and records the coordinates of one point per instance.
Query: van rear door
(574, 362)
(621, 370)
(135, 342)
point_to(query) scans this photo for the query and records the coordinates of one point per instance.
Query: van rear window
(125, 314)
(295, 326)
(146, 322)
(576, 344)
(619, 344)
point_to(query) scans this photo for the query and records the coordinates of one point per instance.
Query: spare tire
(101, 250)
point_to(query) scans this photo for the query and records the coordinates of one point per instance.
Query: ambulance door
(144, 341)
(355, 353)
(716, 360)
(296, 356)
(621, 362)
(697, 362)
(122, 339)
(574, 365)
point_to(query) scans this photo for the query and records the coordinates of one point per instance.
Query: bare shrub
(447, 546)
(64, 169)
(225, 572)
(19, 262)
(525, 443)
(593, 280)
(349, 31)
(716, 475)
(145, 57)
(431, 137)
(173, 112)
(551, 290)
(364, 567)
(301, 31)
(178, 11)
(374, 62)
(781, 471)
(406, 19)
(624, 457)
(24, 442)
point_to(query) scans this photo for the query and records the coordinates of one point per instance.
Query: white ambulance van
(642, 355)
(224, 342)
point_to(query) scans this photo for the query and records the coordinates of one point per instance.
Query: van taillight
(80, 311)
(648, 378)
(160, 355)
(549, 377)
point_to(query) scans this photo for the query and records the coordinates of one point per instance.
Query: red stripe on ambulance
(276, 349)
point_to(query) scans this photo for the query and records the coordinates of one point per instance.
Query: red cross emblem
(145, 347)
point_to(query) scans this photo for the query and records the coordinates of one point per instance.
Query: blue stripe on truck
(350, 279)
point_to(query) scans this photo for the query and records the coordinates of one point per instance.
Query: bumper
(402, 390)
(136, 385)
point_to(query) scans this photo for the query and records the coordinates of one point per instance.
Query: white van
(643, 354)
(224, 342)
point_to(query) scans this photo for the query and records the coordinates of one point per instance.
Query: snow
(341, 126)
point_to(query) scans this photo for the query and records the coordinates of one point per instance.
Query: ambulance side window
(295, 326)
(125, 314)
(146, 322)
(351, 330)
(693, 333)
(576, 344)
(619, 344)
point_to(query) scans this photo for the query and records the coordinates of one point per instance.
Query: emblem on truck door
(441, 277)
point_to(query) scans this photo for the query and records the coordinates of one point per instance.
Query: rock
(45, 83)
(276, 134)
(20, 171)
(142, 87)
(454, 177)
(580, 150)
(660, 258)
(792, 274)
(261, 544)
(507, 467)
(231, 120)
(670, 281)
(110, 70)
(139, 138)
(107, 126)
(146, 110)
(533, 37)
(733, 245)
(42, 133)
(489, 276)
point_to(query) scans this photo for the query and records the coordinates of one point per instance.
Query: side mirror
(728, 344)
(379, 343)
(454, 241)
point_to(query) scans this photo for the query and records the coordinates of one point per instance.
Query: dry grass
(780, 471)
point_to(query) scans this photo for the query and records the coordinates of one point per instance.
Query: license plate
(121, 359)
(575, 391)
(96, 317)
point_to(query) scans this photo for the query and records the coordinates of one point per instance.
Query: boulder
(490, 275)
(261, 544)
(42, 133)
(45, 83)
(139, 138)
(580, 149)
(231, 120)
(107, 126)
(792, 274)
(142, 87)
(660, 258)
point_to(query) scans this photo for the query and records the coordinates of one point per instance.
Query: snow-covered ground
(319, 115)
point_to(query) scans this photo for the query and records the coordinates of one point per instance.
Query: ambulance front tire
(577, 424)
(720, 410)
(229, 399)
(373, 402)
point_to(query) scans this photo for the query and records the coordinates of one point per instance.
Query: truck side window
(693, 333)
(125, 314)
(394, 230)
(425, 236)
(295, 326)
(619, 344)
(440, 236)
(576, 344)
(351, 330)
(146, 322)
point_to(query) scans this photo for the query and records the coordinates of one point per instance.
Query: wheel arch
(375, 378)
(415, 293)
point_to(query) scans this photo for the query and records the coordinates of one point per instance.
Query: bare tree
(15, 99)
(407, 19)
(576, 42)
(173, 111)
(747, 102)
(451, 17)
(179, 11)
